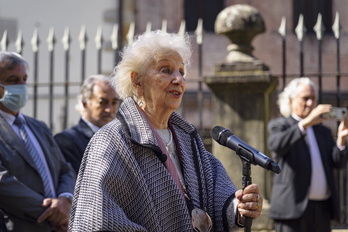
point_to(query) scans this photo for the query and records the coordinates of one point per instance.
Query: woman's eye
(165, 70)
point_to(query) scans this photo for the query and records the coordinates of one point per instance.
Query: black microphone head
(220, 134)
(275, 168)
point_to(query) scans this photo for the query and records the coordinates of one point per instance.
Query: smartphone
(337, 113)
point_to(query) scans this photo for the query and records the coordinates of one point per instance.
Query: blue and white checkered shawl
(122, 184)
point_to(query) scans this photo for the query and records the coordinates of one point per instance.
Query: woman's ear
(135, 79)
(136, 83)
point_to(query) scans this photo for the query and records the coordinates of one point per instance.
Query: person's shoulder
(35, 122)
(79, 130)
(179, 121)
(112, 128)
(67, 133)
(281, 122)
(278, 120)
(109, 138)
(70, 130)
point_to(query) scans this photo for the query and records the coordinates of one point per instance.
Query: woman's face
(163, 86)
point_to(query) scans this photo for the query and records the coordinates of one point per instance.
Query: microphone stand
(246, 180)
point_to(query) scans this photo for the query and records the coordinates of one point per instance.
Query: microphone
(226, 138)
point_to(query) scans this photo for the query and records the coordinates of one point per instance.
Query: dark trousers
(2, 222)
(316, 218)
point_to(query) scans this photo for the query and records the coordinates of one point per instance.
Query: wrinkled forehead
(167, 55)
(305, 90)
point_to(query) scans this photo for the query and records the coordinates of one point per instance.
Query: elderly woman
(148, 169)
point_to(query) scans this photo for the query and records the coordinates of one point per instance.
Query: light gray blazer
(21, 187)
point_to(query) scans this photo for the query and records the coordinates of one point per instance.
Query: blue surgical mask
(15, 97)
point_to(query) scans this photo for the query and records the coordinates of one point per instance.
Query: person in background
(97, 103)
(36, 183)
(304, 197)
(148, 170)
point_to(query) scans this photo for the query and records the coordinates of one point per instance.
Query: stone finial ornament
(240, 23)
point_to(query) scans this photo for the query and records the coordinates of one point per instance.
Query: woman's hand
(249, 201)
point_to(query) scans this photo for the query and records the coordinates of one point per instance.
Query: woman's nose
(178, 77)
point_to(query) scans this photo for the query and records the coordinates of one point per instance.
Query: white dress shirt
(318, 189)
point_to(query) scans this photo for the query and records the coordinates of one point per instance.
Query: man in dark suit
(36, 183)
(97, 104)
(304, 197)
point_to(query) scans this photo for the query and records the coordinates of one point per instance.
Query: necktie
(35, 155)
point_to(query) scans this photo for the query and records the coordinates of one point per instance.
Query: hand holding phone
(337, 113)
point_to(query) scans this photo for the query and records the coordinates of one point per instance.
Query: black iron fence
(336, 96)
(197, 102)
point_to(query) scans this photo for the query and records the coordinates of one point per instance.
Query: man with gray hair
(97, 103)
(36, 182)
(304, 196)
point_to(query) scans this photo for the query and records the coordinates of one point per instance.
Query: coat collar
(84, 129)
(137, 126)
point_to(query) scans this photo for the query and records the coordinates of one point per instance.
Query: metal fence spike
(199, 31)
(336, 27)
(282, 27)
(164, 25)
(35, 40)
(300, 28)
(130, 34)
(319, 27)
(19, 42)
(99, 38)
(83, 38)
(114, 37)
(66, 40)
(51, 40)
(148, 27)
(182, 28)
(4, 41)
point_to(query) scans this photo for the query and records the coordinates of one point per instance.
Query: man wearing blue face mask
(36, 182)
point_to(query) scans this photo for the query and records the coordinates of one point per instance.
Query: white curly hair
(290, 92)
(138, 56)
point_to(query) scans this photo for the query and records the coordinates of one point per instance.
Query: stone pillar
(242, 90)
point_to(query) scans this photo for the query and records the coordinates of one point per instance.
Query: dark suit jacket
(73, 142)
(21, 188)
(290, 150)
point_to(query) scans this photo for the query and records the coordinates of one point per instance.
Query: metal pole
(320, 72)
(246, 180)
(120, 32)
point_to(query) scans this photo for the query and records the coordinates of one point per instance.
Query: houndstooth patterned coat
(122, 184)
